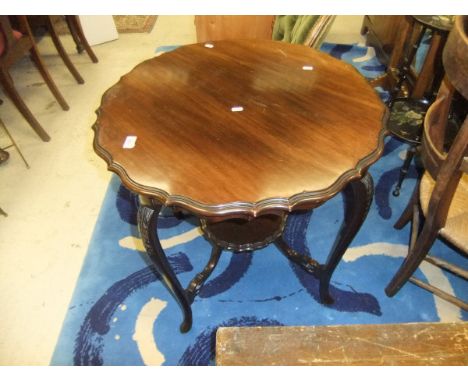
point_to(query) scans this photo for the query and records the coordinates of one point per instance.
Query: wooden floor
(390, 344)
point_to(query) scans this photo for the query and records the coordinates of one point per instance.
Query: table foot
(357, 197)
(147, 224)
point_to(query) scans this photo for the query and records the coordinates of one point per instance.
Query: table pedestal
(249, 234)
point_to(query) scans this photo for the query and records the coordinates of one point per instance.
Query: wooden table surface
(422, 343)
(309, 124)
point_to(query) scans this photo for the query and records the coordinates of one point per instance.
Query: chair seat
(456, 226)
(16, 34)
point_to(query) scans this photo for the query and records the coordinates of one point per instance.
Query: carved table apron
(240, 134)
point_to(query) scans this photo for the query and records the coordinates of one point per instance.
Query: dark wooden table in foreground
(422, 343)
(240, 133)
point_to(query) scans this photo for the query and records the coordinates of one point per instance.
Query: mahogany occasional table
(240, 133)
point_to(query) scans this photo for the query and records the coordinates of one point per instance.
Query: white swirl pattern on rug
(145, 340)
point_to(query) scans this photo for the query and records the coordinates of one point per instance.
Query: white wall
(98, 29)
(345, 30)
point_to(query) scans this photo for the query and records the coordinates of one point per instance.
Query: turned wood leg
(11, 91)
(60, 49)
(357, 197)
(404, 169)
(147, 224)
(415, 256)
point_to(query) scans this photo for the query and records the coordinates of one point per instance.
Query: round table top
(240, 126)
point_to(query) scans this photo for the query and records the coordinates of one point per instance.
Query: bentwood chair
(443, 190)
(305, 30)
(14, 45)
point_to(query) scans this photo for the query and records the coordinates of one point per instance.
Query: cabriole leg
(147, 224)
(358, 197)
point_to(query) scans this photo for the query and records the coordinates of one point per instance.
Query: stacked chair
(439, 206)
(417, 88)
(17, 42)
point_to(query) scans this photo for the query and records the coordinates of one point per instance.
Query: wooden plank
(389, 344)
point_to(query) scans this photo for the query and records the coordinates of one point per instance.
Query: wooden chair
(443, 190)
(410, 93)
(15, 45)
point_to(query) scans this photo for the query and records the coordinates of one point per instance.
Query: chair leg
(74, 34)
(37, 59)
(10, 90)
(75, 28)
(63, 54)
(427, 71)
(414, 258)
(406, 215)
(404, 169)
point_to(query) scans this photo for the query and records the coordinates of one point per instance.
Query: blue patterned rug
(121, 314)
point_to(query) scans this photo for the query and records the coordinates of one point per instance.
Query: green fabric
(293, 29)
